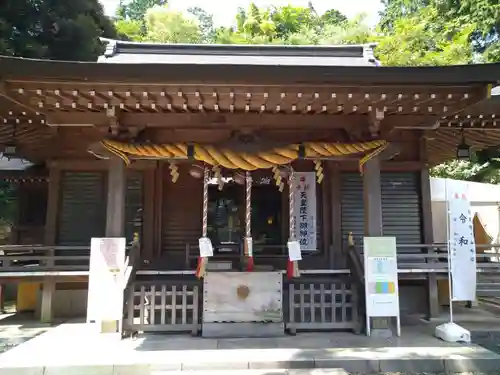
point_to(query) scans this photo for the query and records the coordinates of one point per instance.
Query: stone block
(476, 365)
(350, 365)
(21, 370)
(412, 365)
(282, 364)
(131, 369)
(214, 365)
(319, 371)
(79, 370)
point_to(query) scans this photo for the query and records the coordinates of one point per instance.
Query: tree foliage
(424, 38)
(53, 29)
(135, 10)
(165, 25)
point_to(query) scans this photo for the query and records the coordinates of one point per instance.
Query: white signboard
(462, 248)
(381, 278)
(304, 187)
(106, 275)
(294, 251)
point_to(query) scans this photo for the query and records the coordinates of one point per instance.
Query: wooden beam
(160, 172)
(372, 195)
(428, 231)
(97, 165)
(337, 259)
(115, 211)
(4, 93)
(372, 198)
(148, 215)
(49, 284)
(235, 120)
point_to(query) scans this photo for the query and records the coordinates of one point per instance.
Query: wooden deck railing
(40, 258)
(433, 258)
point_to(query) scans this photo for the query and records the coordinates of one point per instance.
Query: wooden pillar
(148, 214)
(337, 259)
(372, 196)
(428, 237)
(115, 210)
(49, 285)
(115, 219)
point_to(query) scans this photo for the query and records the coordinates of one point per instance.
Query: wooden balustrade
(321, 303)
(168, 305)
(433, 258)
(40, 258)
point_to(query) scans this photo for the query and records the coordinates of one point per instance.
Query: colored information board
(381, 278)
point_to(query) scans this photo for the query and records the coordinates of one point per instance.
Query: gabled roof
(213, 54)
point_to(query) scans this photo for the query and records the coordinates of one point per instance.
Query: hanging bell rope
(202, 261)
(248, 245)
(292, 266)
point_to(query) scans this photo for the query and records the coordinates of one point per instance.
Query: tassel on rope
(174, 172)
(370, 156)
(201, 269)
(278, 179)
(248, 250)
(218, 177)
(319, 171)
(350, 240)
(292, 266)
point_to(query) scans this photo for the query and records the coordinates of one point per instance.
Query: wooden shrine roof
(210, 54)
(54, 103)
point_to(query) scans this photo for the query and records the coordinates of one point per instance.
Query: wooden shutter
(400, 206)
(82, 212)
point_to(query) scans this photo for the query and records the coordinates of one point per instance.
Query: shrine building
(164, 144)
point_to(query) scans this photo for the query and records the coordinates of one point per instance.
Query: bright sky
(224, 10)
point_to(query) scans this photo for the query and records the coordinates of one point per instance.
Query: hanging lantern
(196, 171)
(10, 151)
(463, 150)
(239, 178)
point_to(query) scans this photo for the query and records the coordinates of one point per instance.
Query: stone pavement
(15, 330)
(71, 349)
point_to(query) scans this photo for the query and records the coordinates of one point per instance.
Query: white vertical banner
(304, 186)
(106, 273)
(462, 247)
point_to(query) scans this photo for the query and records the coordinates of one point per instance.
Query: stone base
(220, 330)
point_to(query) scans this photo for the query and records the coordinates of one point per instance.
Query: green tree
(166, 25)
(424, 38)
(333, 17)
(55, 29)
(206, 22)
(130, 30)
(135, 10)
(483, 16)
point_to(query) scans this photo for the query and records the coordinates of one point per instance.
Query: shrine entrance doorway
(226, 223)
